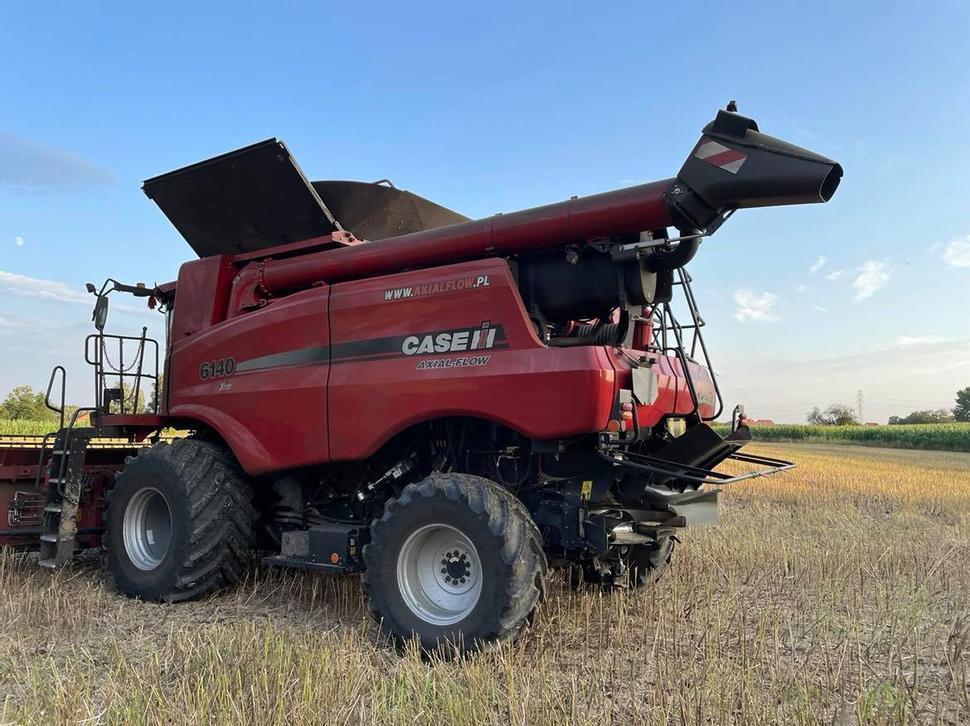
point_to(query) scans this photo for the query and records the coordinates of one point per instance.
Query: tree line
(839, 414)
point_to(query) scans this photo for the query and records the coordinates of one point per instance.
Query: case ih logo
(452, 341)
(433, 288)
(719, 155)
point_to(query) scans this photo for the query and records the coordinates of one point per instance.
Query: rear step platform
(692, 457)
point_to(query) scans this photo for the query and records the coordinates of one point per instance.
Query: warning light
(334, 558)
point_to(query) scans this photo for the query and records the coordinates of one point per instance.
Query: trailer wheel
(643, 565)
(179, 523)
(457, 561)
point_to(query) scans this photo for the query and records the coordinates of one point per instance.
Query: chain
(122, 371)
(115, 369)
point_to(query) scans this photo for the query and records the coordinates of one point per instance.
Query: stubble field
(837, 593)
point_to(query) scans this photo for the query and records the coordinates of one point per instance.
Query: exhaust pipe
(735, 166)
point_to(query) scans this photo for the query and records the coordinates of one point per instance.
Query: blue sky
(497, 107)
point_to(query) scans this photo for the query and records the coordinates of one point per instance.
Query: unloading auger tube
(733, 166)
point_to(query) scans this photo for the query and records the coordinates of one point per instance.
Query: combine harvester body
(375, 383)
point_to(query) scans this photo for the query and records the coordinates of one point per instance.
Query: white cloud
(835, 275)
(912, 341)
(819, 263)
(18, 240)
(957, 252)
(25, 286)
(33, 287)
(821, 309)
(801, 288)
(873, 276)
(755, 307)
(26, 165)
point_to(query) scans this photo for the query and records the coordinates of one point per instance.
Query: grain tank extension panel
(257, 197)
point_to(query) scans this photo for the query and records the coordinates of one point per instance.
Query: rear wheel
(180, 522)
(456, 560)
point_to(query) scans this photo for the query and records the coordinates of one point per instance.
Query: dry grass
(838, 593)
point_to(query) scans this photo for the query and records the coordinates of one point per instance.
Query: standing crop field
(836, 593)
(21, 427)
(937, 437)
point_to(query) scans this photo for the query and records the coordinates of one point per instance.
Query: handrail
(97, 356)
(50, 386)
(667, 325)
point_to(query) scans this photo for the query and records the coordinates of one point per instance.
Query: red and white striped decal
(719, 155)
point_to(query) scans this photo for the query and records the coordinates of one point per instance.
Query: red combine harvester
(448, 408)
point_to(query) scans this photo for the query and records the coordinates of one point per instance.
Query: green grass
(940, 437)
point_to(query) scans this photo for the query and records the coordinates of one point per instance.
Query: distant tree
(939, 415)
(837, 414)
(841, 415)
(816, 417)
(961, 412)
(23, 402)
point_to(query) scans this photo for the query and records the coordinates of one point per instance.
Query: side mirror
(100, 316)
(91, 288)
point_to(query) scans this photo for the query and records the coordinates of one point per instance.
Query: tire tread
(221, 513)
(506, 517)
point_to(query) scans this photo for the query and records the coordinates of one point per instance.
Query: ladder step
(54, 538)
(50, 564)
(55, 508)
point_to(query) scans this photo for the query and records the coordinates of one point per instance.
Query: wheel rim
(439, 574)
(147, 529)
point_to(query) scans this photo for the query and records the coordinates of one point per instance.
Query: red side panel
(673, 394)
(202, 294)
(453, 341)
(260, 380)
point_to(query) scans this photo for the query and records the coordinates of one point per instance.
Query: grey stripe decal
(303, 356)
(369, 350)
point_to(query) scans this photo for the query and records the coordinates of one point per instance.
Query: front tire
(179, 522)
(456, 561)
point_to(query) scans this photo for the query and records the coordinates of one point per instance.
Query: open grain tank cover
(257, 197)
(242, 201)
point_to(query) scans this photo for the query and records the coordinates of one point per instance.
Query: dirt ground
(836, 593)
